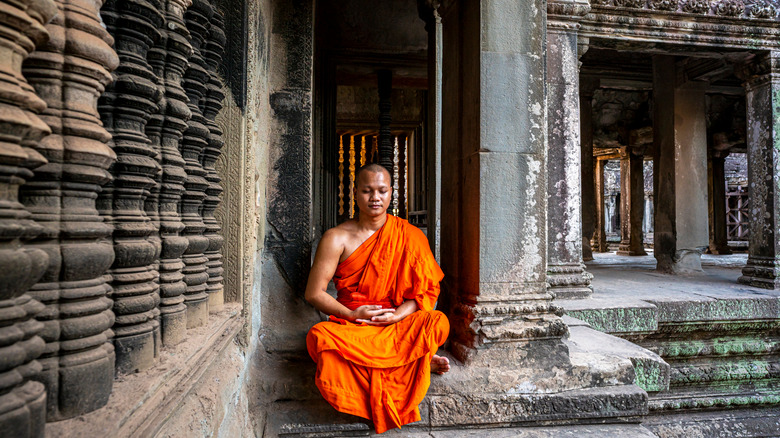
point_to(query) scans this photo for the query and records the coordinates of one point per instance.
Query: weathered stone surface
(22, 399)
(722, 423)
(565, 271)
(169, 59)
(125, 107)
(680, 185)
(196, 136)
(716, 186)
(69, 73)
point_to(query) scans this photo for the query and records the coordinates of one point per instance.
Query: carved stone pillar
(505, 326)
(599, 241)
(70, 72)
(169, 60)
(587, 167)
(196, 138)
(632, 202)
(762, 87)
(385, 146)
(214, 47)
(679, 169)
(719, 242)
(565, 270)
(22, 400)
(125, 108)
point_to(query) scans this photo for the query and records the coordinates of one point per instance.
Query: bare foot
(440, 364)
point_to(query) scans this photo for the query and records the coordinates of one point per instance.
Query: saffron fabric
(382, 373)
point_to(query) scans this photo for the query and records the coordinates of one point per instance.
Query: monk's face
(373, 192)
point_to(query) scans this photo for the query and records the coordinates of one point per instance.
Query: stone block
(511, 231)
(613, 315)
(512, 103)
(512, 26)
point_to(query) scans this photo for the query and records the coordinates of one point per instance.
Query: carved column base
(569, 281)
(173, 326)
(763, 272)
(197, 312)
(216, 300)
(135, 352)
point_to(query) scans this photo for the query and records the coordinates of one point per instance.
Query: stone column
(505, 329)
(213, 104)
(589, 210)
(70, 73)
(195, 140)
(679, 169)
(565, 270)
(762, 87)
(719, 242)
(125, 108)
(169, 59)
(599, 241)
(22, 399)
(632, 202)
(429, 12)
(494, 217)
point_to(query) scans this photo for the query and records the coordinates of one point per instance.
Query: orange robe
(382, 373)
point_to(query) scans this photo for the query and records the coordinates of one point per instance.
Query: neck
(372, 223)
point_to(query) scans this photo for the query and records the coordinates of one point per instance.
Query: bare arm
(326, 260)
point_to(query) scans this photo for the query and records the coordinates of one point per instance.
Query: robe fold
(382, 373)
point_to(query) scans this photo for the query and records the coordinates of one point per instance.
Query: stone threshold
(142, 402)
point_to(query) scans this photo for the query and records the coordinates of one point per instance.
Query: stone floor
(633, 283)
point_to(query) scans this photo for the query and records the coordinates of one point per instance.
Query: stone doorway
(371, 106)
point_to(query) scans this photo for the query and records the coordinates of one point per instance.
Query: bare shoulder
(336, 238)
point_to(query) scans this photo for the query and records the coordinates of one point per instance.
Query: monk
(375, 354)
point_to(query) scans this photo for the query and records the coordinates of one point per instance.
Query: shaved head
(373, 168)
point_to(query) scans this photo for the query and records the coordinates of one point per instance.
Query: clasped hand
(374, 315)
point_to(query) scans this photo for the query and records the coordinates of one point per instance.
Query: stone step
(716, 424)
(570, 431)
(595, 348)
(614, 315)
(628, 430)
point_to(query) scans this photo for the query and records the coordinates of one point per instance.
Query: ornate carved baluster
(70, 73)
(214, 48)
(22, 401)
(195, 141)
(126, 107)
(169, 59)
(153, 132)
